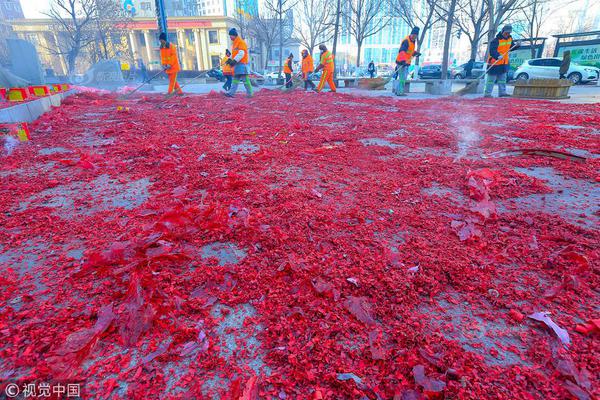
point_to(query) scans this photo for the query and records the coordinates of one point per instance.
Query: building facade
(201, 42)
(195, 8)
(10, 9)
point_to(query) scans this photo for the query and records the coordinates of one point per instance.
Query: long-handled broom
(170, 95)
(142, 84)
(469, 87)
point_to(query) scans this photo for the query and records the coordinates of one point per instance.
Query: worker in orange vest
(308, 67)
(288, 70)
(326, 64)
(403, 60)
(239, 62)
(498, 62)
(170, 63)
(227, 70)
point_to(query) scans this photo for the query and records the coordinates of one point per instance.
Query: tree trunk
(268, 57)
(418, 46)
(71, 56)
(491, 26)
(335, 32)
(279, 6)
(474, 47)
(359, 45)
(447, 38)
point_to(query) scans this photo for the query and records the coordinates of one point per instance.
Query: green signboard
(585, 54)
(517, 57)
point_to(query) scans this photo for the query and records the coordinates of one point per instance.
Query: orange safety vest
(239, 44)
(327, 61)
(407, 55)
(307, 65)
(168, 55)
(286, 66)
(504, 46)
(227, 69)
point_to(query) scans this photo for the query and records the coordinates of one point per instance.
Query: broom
(474, 84)
(140, 86)
(284, 88)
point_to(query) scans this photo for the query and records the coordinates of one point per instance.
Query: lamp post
(161, 16)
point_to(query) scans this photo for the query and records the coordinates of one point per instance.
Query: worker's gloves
(517, 43)
(231, 62)
(416, 54)
(167, 66)
(500, 58)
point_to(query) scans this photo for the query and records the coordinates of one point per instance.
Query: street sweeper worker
(227, 70)
(403, 60)
(239, 62)
(288, 70)
(326, 64)
(170, 63)
(498, 61)
(308, 67)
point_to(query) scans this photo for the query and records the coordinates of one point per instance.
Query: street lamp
(161, 16)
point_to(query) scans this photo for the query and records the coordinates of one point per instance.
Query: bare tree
(110, 21)
(314, 24)
(500, 12)
(264, 27)
(534, 15)
(243, 21)
(281, 9)
(75, 18)
(336, 29)
(448, 16)
(471, 20)
(416, 13)
(365, 19)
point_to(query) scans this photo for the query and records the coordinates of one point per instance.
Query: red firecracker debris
(302, 246)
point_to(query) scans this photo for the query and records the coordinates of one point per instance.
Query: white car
(546, 68)
(271, 78)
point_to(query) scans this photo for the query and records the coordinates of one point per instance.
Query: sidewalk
(580, 94)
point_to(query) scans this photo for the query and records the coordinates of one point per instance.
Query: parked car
(476, 72)
(256, 79)
(432, 71)
(271, 78)
(546, 68)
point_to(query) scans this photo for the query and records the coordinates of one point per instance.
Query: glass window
(553, 62)
(536, 63)
(215, 61)
(213, 37)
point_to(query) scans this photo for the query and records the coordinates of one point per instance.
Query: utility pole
(335, 32)
(161, 16)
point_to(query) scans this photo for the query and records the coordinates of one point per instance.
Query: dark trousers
(228, 80)
(372, 74)
(288, 81)
(309, 83)
(562, 76)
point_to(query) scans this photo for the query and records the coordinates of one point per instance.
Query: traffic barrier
(19, 130)
(17, 94)
(39, 91)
